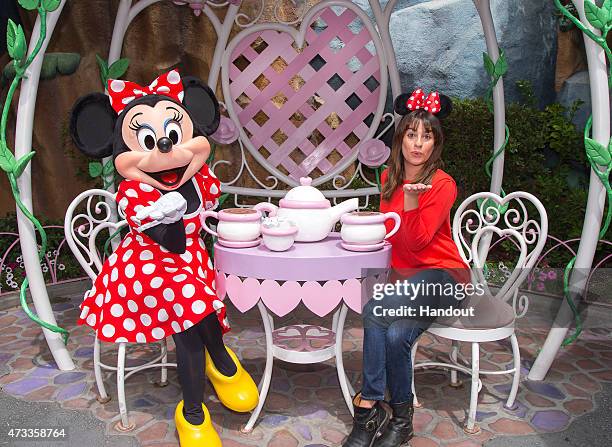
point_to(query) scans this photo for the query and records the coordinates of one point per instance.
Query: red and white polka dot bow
(418, 101)
(121, 93)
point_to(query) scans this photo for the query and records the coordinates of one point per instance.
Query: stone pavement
(305, 407)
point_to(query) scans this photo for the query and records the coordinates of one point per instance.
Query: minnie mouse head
(156, 134)
(438, 105)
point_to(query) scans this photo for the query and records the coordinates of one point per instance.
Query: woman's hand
(412, 191)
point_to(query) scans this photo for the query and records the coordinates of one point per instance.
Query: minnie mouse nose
(164, 144)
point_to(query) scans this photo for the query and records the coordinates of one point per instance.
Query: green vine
(597, 154)
(17, 49)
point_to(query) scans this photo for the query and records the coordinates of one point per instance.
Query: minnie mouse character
(160, 280)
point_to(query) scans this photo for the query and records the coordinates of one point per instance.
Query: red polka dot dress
(145, 292)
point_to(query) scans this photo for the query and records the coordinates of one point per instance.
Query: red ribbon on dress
(418, 101)
(121, 93)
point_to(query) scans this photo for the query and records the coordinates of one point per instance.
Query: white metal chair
(82, 228)
(494, 317)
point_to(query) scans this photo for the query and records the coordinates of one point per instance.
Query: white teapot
(313, 214)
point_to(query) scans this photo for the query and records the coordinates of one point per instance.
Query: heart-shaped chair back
(485, 219)
(88, 215)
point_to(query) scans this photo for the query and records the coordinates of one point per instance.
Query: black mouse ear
(399, 105)
(446, 107)
(92, 125)
(202, 104)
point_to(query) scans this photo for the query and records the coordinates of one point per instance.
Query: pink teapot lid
(304, 196)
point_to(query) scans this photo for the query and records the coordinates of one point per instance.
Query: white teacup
(367, 227)
(237, 224)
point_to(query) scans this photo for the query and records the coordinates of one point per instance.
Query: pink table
(322, 275)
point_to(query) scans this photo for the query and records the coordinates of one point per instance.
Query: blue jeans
(388, 340)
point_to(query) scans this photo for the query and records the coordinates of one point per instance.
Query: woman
(423, 255)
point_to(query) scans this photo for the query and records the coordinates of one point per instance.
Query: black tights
(190, 346)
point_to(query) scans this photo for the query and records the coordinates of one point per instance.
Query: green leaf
(103, 65)
(95, 169)
(29, 4)
(118, 68)
(11, 37)
(50, 5)
(109, 168)
(597, 16)
(492, 204)
(22, 163)
(488, 64)
(501, 66)
(597, 153)
(7, 161)
(607, 7)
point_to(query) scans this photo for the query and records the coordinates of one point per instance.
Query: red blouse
(424, 238)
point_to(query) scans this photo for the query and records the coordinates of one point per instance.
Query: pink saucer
(239, 244)
(362, 247)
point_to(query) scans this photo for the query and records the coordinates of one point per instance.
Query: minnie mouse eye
(146, 138)
(173, 131)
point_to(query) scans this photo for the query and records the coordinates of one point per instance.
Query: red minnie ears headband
(434, 103)
(121, 93)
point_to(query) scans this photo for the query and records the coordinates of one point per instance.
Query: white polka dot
(132, 306)
(130, 270)
(117, 85)
(150, 301)
(114, 274)
(126, 241)
(108, 330)
(146, 255)
(146, 188)
(226, 322)
(188, 270)
(162, 315)
(149, 268)
(84, 312)
(176, 327)
(189, 242)
(123, 203)
(145, 319)
(107, 297)
(208, 290)
(168, 294)
(137, 287)
(217, 304)
(153, 84)
(181, 95)
(99, 300)
(127, 255)
(212, 174)
(158, 333)
(187, 324)
(122, 290)
(213, 189)
(198, 307)
(121, 340)
(170, 269)
(112, 259)
(201, 273)
(187, 257)
(163, 89)
(156, 282)
(178, 309)
(116, 310)
(199, 256)
(105, 280)
(190, 228)
(174, 77)
(91, 319)
(131, 193)
(209, 264)
(168, 260)
(188, 290)
(164, 249)
(129, 324)
(180, 278)
(202, 246)
(213, 284)
(140, 338)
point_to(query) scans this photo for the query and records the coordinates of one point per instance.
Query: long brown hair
(411, 121)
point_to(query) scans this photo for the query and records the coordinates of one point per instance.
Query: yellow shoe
(195, 435)
(238, 392)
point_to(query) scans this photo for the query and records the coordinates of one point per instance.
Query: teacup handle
(266, 206)
(204, 216)
(398, 221)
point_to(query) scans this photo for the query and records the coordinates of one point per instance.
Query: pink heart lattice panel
(304, 110)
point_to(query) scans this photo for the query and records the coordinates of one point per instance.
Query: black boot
(368, 424)
(399, 429)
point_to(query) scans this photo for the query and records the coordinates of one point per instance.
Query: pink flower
(227, 132)
(373, 153)
(552, 275)
(540, 287)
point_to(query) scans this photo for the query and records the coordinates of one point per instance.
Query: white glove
(167, 209)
